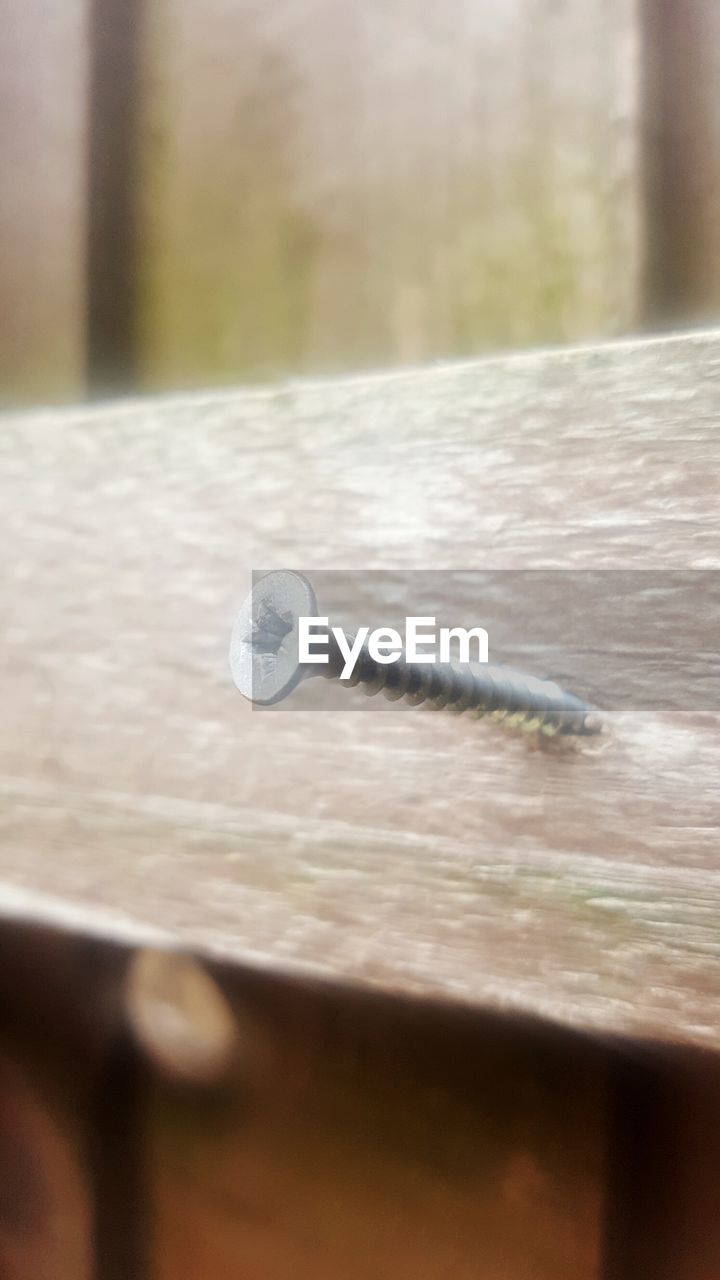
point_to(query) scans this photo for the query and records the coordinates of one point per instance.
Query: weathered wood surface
(330, 185)
(407, 851)
(44, 54)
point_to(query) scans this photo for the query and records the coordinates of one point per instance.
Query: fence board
(683, 160)
(329, 185)
(666, 1190)
(402, 850)
(369, 1138)
(43, 117)
(46, 1208)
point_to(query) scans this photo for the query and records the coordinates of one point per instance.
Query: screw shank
(477, 689)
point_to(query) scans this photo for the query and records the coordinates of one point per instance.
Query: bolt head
(264, 656)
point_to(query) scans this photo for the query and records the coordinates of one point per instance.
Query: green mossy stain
(244, 278)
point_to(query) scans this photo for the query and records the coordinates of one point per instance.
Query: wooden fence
(340, 1092)
(208, 192)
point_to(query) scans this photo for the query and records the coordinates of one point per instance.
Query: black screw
(265, 664)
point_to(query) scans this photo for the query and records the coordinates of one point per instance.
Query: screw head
(264, 657)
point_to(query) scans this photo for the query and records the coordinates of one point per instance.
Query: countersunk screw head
(264, 654)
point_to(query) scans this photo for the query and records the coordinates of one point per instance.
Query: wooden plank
(330, 185)
(401, 850)
(115, 37)
(71, 1142)
(43, 120)
(46, 1203)
(683, 159)
(669, 1181)
(366, 1138)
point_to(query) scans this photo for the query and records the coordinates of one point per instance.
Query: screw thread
(476, 689)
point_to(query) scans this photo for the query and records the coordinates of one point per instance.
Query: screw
(266, 667)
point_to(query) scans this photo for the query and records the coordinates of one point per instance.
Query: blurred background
(198, 192)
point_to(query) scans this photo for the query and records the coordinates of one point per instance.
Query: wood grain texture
(370, 1138)
(331, 185)
(401, 850)
(43, 120)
